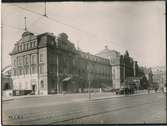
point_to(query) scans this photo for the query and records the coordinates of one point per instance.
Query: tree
(144, 84)
(126, 53)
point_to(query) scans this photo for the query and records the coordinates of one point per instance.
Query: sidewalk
(78, 96)
(19, 97)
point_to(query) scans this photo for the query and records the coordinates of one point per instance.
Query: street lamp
(89, 90)
(124, 78)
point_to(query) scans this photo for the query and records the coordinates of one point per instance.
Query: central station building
(45, 64)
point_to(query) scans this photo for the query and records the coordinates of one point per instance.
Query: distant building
(123, 66)
(159, 76)
(134, 82)
(6, 82)
(149, 75)
(45, 64)
(116, 61)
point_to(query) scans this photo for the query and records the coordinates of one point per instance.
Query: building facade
(116, 61)
(44, 64)
(159, 76)
(123, 66)
(6, 82)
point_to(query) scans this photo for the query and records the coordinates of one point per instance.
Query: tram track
(74, 114)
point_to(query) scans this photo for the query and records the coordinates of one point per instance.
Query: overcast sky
(138, 27)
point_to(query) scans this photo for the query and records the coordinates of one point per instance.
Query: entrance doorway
(33, 88)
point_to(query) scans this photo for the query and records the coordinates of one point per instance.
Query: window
(34, 69)
(21, 60)
(26, 70)
(31, 45)
(24, 47)
(7, 86)
(33, 59)
(20, 48)
(14, 72)
(35, 43)
(27, 45)
(18, 61)
(15, 62)
(41, 69)
(17, 48)
(26, 59)
(42, 84)
(21, 71)
(41, 57)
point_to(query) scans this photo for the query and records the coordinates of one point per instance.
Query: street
(144, 108)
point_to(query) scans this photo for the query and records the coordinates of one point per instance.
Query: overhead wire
(35, 21)
(13, 27)
(57, 21)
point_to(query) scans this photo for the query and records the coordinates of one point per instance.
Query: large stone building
(44, 64)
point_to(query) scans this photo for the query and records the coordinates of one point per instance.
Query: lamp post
(124, 78)
(89, 81)
(57, 74)
(57, 66)
(89, 90)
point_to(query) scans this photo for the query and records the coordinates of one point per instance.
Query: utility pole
(124, 78)
(124, 71)
(89, 91)
(45, 10)
(38, 69)
(57, 66)
(89, 83)
(57, 59)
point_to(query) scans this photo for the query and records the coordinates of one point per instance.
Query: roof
(93, 57)
(107, 52)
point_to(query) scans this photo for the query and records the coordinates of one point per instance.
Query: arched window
(7, 86)
(42, 84)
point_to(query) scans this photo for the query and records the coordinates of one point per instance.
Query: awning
(67, 79)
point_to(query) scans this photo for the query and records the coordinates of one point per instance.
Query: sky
(138, 27)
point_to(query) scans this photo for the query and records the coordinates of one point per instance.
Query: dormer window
(35, 43)
(27, 45)
(31, 45)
